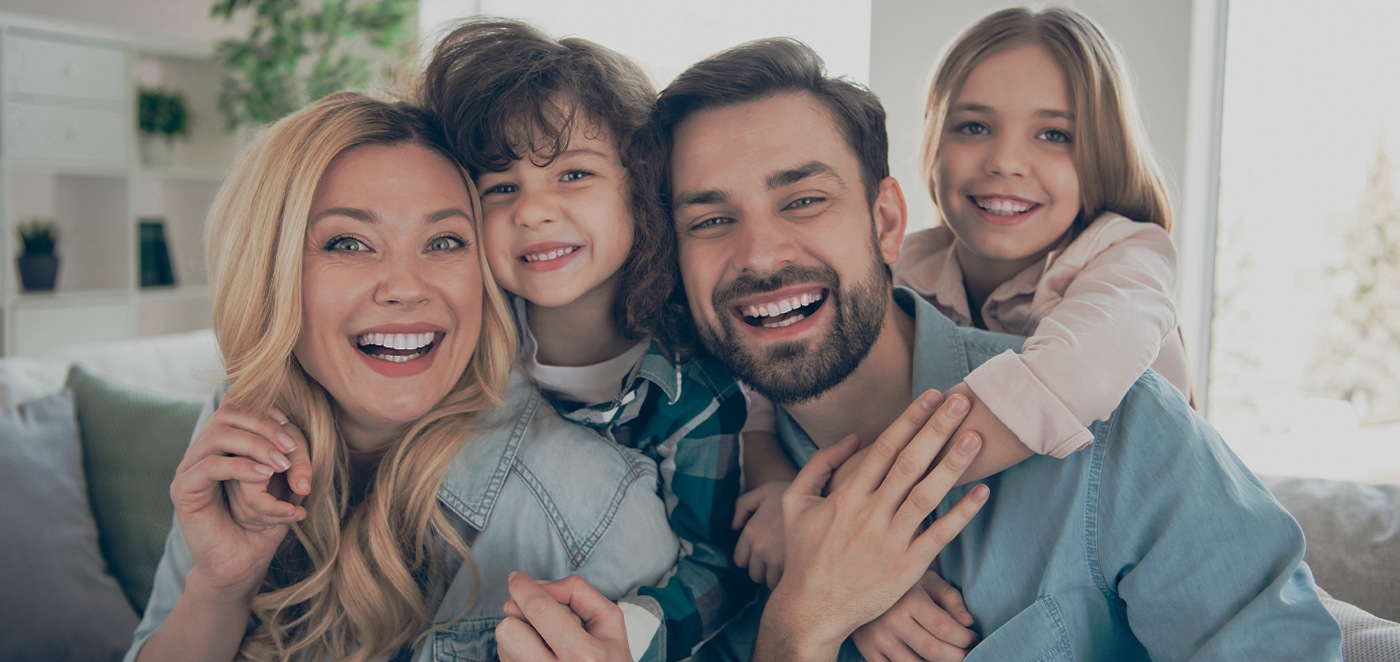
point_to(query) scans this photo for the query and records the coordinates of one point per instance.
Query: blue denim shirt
(533, 492)
(1154, 542)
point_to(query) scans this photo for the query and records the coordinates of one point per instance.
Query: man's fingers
(914, 460)
(914, 505)
(811, 479)
(743, 550)
(944, 529)
(880, 457)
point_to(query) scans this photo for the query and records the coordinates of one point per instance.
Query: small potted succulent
(162, 117)
(37, 261)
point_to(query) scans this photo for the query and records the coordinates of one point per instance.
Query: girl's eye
(1056, 136)
(575, 175)
(346, 243)
(972, 129)
(499, 188)
(446, 242)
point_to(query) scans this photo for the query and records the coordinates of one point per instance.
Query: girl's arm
(1102, 327)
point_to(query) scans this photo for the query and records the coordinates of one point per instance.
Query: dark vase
(38, 273)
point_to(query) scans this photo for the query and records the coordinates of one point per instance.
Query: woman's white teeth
(1003, 207)
(401, 341)
(550, 255)
(783, 306)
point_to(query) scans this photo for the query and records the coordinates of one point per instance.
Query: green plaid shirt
(687, 418)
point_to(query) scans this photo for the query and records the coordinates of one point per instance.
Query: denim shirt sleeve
(1209, 565)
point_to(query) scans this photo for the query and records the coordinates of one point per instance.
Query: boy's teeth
(401, 341)
(550, 255)
(1003, 207)
(783, 306)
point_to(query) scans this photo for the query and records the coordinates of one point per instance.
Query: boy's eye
(1056, 136)
(446, 242)
(574, 175)
(499, 188)
(972, 129)
(346, 243)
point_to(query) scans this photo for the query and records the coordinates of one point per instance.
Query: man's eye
(712, 222)
(574, 175)
(805, 202)
(1056, 136)
(346, 243)
(446, 242)
(972, 129)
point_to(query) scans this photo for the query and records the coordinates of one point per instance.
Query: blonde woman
(354, 310)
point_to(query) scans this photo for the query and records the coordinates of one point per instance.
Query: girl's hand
(235, 446)
(760, 547)
(928, 623)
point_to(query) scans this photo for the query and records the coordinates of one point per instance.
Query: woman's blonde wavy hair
(346, 584)
(1117, 169)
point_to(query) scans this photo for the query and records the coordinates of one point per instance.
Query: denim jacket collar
(474, 481)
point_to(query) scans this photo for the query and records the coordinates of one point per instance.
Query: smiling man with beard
(1153, 543)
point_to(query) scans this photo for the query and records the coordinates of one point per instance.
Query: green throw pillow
(132, 442)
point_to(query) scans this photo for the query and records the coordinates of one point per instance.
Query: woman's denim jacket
(532, 492)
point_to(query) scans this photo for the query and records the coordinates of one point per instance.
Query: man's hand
(760, 547)
(928, 623)
(853, 554)
(563, 620)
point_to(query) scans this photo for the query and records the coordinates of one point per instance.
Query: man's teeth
(1002, 207)
(550, 255)
(401, 341)
(783, 306)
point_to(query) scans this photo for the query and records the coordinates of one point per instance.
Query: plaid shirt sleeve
(689, 423)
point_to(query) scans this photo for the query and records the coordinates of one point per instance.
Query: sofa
(90, 437)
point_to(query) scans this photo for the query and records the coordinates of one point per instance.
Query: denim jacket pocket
(467, 640)
(1037, 634)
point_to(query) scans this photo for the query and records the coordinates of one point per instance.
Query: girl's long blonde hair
(346, 584)
(1117, 169)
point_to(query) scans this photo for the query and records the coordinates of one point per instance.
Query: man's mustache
(747, 284)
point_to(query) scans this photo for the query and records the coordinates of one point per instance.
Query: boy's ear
(890, 216)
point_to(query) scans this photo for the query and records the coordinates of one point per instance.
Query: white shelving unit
(69, 150)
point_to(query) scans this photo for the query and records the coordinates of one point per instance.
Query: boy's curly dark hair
(500, 87)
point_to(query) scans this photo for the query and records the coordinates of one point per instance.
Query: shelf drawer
(90, 137)
(58, 68)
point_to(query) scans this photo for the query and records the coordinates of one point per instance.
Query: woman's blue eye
(575, 175)
(346, 243)
(446, 243)
(1056, 136)
(972, 128)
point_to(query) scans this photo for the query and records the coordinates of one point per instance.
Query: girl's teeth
(1004, 207)
(550, 255)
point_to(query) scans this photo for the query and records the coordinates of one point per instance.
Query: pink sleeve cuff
(1023, 403)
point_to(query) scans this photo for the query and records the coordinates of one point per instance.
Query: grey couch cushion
(59, 601)
(1353, 536)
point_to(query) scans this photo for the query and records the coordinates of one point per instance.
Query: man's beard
(789, 373)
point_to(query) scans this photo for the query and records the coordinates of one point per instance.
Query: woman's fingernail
(957, 405)
(278, 416)
(967, 443)
(928, 400)
(263, 470)
(284, 441)
(980, 492)
(281, 461)
(304, 486)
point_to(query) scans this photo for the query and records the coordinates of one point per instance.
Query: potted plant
(37, 261)
(298, 51)
(162, 117)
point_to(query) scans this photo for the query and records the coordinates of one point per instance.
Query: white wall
(182, 21)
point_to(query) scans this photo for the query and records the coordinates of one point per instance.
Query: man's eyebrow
(697, 198)
(805, 171)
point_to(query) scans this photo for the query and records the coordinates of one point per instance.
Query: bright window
(1305, 360)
